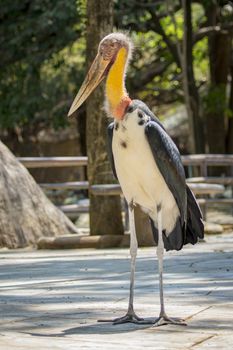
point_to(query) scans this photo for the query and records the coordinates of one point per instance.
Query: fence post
(204, 173)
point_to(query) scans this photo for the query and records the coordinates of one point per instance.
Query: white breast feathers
(138, 174)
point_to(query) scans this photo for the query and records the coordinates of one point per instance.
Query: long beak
(92, 80)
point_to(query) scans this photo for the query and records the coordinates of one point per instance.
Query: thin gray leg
(163, 318)
(133, 254)
(160, 254)
(130, 315)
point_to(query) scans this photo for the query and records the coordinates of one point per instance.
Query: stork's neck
(116, 93)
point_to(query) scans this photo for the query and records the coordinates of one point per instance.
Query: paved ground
(52, 299)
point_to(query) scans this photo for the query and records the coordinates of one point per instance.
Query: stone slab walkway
(53, 299)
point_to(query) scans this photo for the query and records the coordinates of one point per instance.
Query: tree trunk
(26, 214)
(143, 228)
(230, 119)
(219, 60)
(230, 135)
(190, 89)
(105, 212)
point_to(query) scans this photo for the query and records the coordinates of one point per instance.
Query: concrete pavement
(53, 299)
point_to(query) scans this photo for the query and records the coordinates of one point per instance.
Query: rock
(211, 228)
(26, 214)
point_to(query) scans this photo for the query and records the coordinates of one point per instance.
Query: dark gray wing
(167, 158)
(109, 147)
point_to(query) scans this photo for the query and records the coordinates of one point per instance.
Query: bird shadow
(98, 328)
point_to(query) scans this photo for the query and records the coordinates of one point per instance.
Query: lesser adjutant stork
(146, 162)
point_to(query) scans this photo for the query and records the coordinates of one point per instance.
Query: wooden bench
(203, 185)
(76, 185)
(224, 180)
(114, 190)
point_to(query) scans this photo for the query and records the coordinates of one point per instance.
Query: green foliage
(201, 61)
(42, 48)
(215, 101)
(35, 29)
(61, 76)
(152, 52)
(32, 33)
(173, 27)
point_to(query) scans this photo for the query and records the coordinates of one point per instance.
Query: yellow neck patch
(115, 87)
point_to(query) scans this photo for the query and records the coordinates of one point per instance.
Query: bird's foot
(130, 317)
(163, 319)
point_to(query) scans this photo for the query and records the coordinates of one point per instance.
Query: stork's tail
(195, 226)
(183, 234)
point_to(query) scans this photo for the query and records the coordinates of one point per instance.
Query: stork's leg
(130, 315)
(163, 318)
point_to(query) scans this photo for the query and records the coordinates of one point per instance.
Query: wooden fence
(202, 185)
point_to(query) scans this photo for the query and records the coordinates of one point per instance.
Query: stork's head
(114, 47)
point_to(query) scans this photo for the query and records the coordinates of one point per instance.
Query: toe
(164, 320)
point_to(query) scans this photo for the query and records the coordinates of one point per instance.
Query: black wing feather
(189, 227)
(167, 158)
(195, 226)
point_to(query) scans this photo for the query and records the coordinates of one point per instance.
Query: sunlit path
(52, 299)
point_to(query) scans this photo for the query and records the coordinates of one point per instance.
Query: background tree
(36, 38)
(105, 212)
(183, 56)
(219, 51)
(42, 61)
(182, 39)
(191, 96)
